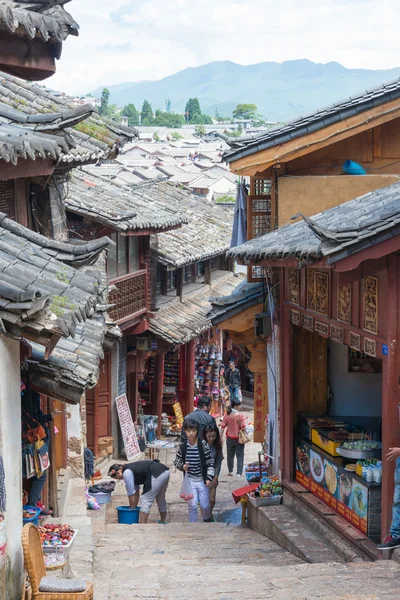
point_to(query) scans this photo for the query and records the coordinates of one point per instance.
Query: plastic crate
(270, 501)
(60, 550)
(34, 519)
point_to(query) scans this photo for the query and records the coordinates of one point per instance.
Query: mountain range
(279, 90)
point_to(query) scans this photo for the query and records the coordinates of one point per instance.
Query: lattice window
(262, 187)
(7, 198)
(129, 297)
(258, 223)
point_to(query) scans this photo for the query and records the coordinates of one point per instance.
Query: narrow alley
(221, 560)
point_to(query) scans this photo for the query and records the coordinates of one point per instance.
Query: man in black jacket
(201, 415)
(232, 378)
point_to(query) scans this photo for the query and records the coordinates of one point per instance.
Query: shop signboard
(127, 429)
(303, 465)
(260, 405)
(178, 412)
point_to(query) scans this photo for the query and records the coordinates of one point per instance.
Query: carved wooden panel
(322, 293)
(344, 303)
(308, 322)
(370, 347)
(322, 328)
(294, 286)
(370, 304)
(311, 302)
(337, 334)
(294, 317)
(355, 341)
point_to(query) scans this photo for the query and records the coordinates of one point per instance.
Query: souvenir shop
(210, 373)
(336, 405)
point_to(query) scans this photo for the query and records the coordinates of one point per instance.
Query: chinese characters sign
(260, 405)
(127, 429)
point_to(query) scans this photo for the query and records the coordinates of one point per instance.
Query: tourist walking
(232, 379)
(153, 476)
(213, 439)
(201, 415)
(233, 422)
(194, 458)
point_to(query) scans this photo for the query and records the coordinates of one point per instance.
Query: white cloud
(132, 40)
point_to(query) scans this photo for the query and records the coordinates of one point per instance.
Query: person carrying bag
(236, 437)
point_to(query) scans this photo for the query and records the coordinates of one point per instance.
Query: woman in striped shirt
(194, 457)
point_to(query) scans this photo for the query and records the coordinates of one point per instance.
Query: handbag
(243, 438)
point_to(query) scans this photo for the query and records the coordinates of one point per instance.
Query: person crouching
(154, 477)
(194, 457)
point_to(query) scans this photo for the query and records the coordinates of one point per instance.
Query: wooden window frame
(119, 276)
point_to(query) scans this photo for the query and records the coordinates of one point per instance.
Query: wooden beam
(374, 252)
(312, 142)
(190, 373)
(26, 58)
(179, 283)
(378, 141)
(159, 387)
(207, 271)
(26, 168)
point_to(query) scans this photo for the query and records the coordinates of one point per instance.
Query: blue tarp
(239, 232)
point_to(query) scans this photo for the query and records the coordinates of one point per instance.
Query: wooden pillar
(207, 272)
(190, 372)
(53, 463)
(179, 283)
(286, 403)
(158, 388)
(164, 281)
(390, 393)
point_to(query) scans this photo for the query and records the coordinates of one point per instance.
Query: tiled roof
(39, 294)
(144, 207)
(179, 322)
(329, 115)
(45, 19)
(207, 233)
(87, 137)
(244, 296)
(335, 233)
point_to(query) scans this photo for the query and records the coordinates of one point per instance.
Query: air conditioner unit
(263, 325)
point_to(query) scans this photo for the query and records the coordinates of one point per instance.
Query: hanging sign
(178, 412)
(127, 429)
(260, 405)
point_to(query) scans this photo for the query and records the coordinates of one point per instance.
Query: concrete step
(281, 525)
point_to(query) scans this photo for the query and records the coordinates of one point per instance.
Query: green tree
(245, 111)
(156, 137)
(175, 135)
(193, 111)
(105, 99)
(146, 116)
(113, 112)
(200, 130)
(133, 116)
(165, 119)
(207, 120)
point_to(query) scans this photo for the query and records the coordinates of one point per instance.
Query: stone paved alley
(218, 560)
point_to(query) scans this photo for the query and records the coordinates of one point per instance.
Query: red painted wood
(377, 251)
(158, 388)
(26, 168)
(390, 391)
(190, 372)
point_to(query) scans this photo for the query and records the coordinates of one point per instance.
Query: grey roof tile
(349, 227)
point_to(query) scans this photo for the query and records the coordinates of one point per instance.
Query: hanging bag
(186, 492)
(243, 437)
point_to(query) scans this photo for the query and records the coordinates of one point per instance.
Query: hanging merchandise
(208, 366)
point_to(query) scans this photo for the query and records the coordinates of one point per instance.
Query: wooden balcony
(129, 297)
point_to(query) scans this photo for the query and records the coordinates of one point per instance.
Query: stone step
(161, 581)
(281, 525)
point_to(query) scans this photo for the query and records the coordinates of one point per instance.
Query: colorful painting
(344, 303)
(370, 304)
(294, 286)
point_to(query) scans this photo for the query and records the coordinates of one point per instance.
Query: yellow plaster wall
(311, 195)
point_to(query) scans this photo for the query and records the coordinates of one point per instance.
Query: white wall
(10, 448)
(353, 394)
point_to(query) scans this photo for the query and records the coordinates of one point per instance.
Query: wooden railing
(129, 297)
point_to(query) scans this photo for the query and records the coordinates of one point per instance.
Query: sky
(135, 40)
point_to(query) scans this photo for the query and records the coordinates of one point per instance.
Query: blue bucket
(127, 515)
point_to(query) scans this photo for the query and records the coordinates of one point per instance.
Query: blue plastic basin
(127, 515)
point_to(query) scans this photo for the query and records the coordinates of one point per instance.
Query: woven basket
(104, 442)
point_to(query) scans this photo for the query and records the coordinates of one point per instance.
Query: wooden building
(338, 273)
